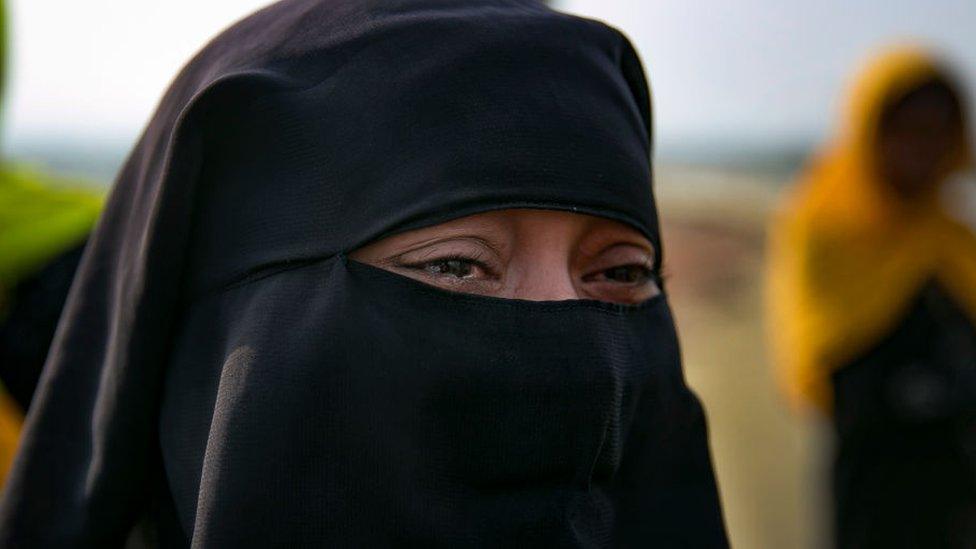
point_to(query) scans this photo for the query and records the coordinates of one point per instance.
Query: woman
(307, 316)
(873, 289)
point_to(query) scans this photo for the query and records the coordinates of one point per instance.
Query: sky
(764, 72)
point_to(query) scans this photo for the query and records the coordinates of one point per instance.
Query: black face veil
(224, 376)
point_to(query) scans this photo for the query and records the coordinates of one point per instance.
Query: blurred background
(743, 92)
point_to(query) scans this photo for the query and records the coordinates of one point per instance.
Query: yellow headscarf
(847, 256)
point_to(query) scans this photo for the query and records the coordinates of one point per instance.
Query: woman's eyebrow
(604, 244)
(432, 243)
(489, 234)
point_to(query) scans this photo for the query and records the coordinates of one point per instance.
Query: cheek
(474, 286)
(915, 151)
(373, 253)
(544, 285)
(621, 293)
(903, 156)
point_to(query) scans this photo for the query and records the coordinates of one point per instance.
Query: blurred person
(872, 308)
(377, 274)
(44, 221)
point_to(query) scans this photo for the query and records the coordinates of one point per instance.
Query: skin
(915, 144)
(535, 255)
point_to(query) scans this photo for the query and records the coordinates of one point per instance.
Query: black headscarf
(224, 374)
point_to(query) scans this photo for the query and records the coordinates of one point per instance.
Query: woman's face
(537, 255)
(916, 140)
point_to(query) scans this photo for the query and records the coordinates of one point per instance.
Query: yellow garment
(847, 256)
(11, 420)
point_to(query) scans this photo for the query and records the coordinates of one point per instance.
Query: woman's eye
(628, 274)
(453, 267)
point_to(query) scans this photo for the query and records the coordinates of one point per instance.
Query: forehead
(933, 101)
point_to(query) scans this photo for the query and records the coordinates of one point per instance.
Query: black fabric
(905, 413)
(224, 374)
(27, 327)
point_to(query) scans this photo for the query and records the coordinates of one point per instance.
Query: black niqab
(225, 376)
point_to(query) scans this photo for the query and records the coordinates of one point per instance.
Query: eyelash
(472, 261)
(661, 275)
(651, 274)
(647, 273)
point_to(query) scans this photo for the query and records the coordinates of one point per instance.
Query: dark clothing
(28, 325)
(227, 378)
(905, 473)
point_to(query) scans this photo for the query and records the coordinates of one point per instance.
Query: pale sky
(721, 70)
